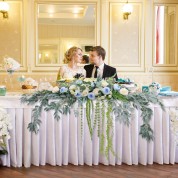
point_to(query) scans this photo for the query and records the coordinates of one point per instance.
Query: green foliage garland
(111, 98)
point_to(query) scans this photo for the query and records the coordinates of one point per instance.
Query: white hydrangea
(5, 124)
(104, 83)
(55, 89)
(174, 123)
(96, 91)
(10, 64)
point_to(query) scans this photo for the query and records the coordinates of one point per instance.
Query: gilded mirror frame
(55, 67)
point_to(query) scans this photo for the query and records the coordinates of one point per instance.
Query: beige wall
(106, 36)
(10, 33)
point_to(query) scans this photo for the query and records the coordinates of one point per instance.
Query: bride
(72, 57)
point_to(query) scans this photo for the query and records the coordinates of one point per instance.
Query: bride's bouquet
(10, 65)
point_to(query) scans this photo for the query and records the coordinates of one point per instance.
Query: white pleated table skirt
(68, 141)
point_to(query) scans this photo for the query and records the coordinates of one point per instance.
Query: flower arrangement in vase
(10, 65)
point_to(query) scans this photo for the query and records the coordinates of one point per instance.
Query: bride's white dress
(67, 72)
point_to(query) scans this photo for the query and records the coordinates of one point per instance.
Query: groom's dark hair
(100, 51)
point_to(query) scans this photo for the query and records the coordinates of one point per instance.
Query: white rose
(88, 80)
(102, 97)
(72, 92)
(72, 87)
(55, 89)
(85, 92)
(104, 83)
(124, 91)
(96, 91)
(109, 96)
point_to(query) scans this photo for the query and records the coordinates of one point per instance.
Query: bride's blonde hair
(70, 53)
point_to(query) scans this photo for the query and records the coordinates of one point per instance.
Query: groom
(98, 67)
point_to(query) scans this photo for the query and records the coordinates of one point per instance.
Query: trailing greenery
(109, 131)
(48, 101)
(102, 99)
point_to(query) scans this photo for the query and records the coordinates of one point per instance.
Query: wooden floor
(101, 171)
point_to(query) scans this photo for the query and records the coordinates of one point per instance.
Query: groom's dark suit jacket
(108, 71)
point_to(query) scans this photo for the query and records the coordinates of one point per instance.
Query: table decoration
(173, 113)
(102, 98)
(5, 126)
(155, 87)
(10, 65)
(2, 90)
(145, 89)
(29, 83)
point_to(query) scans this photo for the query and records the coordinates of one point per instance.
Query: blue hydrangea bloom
(78, 82)
(116, 86)
(77, 94)
(91, 96)
(106, 90)
(63, 90)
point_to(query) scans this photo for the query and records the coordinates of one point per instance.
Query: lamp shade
(4, 6)
(127, 8)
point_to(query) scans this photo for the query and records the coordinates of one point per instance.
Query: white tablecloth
(64, 141)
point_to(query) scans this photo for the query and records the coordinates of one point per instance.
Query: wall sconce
(4, 7)
(127, 10)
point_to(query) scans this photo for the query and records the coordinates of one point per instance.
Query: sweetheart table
(64, 141)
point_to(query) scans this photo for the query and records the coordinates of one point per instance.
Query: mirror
(61, 26)
(165, 35)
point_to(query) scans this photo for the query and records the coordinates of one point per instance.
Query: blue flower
(78, 94)
(106, 90)
(63, 90)
(116, 86)
(79, 82)
(91, 96)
